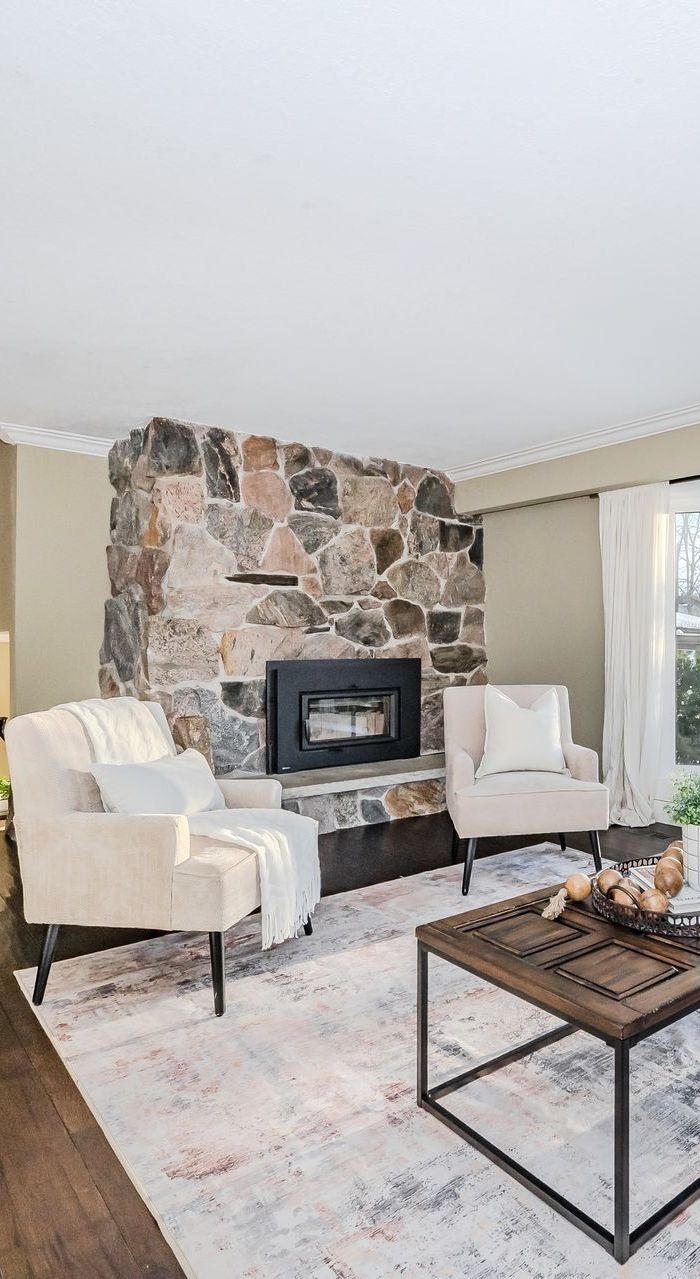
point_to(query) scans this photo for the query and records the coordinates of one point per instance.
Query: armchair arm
(460, 770)
(102, 869)
(251, 792)
(581, 762)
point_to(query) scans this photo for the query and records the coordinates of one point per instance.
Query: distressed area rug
(282, 1141)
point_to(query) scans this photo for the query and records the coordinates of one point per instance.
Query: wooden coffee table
(617, 985)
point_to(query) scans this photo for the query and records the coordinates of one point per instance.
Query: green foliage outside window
(687, 708)
(684, 808)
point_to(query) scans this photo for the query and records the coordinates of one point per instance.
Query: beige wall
(544, 606)
(668, 456)
(8, 459)
(62, 529)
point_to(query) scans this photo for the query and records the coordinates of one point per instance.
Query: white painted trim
(675, 420)
(64, 441)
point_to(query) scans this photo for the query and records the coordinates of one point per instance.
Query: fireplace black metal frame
(289, 685)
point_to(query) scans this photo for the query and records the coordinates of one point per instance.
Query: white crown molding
(64, 441)
(619, 434)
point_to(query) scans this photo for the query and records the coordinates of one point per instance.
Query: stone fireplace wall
(228, 550)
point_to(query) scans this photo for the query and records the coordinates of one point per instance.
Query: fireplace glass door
(334, 719)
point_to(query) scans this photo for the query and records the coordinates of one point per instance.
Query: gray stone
(122, 459)
(331, 607)
(265, 579)
(347, 565)
(457, 657)
(221, 459)
(365, 628)
(171, 448)
(242, 530)
(286, 608)
(443, 626)
(385, 466)
(415, 581)
(296, 458)
(315, 490)
(465, 583)
(332, 812)
(432, 730)
(368, 500)
(373, 811)
(232, 738)
(323, 456)
(313, 531)
(246, 697)
(388, 547)
(384, 591)
(476, 553)
(404, 618)
(423, 534)
(472, 631)
(256, 762)
(130, 515)
(179, 649)
(433, 497)
(454, 536)
(126, 622)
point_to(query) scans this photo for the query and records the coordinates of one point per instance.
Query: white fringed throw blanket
(286, 846)
(123, 730)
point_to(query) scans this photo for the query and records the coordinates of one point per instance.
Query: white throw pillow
(174, 784)
(521, 738)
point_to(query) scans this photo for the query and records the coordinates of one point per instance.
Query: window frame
(682, 497)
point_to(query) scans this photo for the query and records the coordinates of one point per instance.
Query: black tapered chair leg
(308, 926)
(468, 864)
(455, 845)
(48, 946)
(595, 847)
(218, 972)
(562, 843)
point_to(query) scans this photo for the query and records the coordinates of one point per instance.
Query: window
(687, 637)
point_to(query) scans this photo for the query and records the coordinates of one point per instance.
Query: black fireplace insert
(325, 713)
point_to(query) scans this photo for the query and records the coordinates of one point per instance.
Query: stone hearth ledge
(356, 777)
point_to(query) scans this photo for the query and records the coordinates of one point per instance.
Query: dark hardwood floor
(67, 1208)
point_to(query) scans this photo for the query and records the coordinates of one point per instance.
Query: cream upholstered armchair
(518, 803)
(81, 865)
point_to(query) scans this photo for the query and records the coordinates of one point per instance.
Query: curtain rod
(572, 497)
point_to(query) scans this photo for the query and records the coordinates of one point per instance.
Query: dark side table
(616, 985)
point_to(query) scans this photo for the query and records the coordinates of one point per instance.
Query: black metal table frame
(621, 1243)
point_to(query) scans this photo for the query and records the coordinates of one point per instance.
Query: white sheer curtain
(634, 542)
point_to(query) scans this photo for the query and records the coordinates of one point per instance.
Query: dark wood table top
(610, 981)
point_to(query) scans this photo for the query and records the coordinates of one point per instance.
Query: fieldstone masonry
(228, 551)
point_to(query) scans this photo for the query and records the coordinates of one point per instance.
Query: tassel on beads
(555, 905)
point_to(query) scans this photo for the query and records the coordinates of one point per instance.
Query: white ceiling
(437, 229)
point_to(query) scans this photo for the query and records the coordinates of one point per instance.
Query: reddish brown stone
(416, 799)
(285, 554)
(191, 732)
(259, 453)
(267, 492)
(150, 570)
(405, 496)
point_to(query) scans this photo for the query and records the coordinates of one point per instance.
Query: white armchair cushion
(521, 738)
(182, 784)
